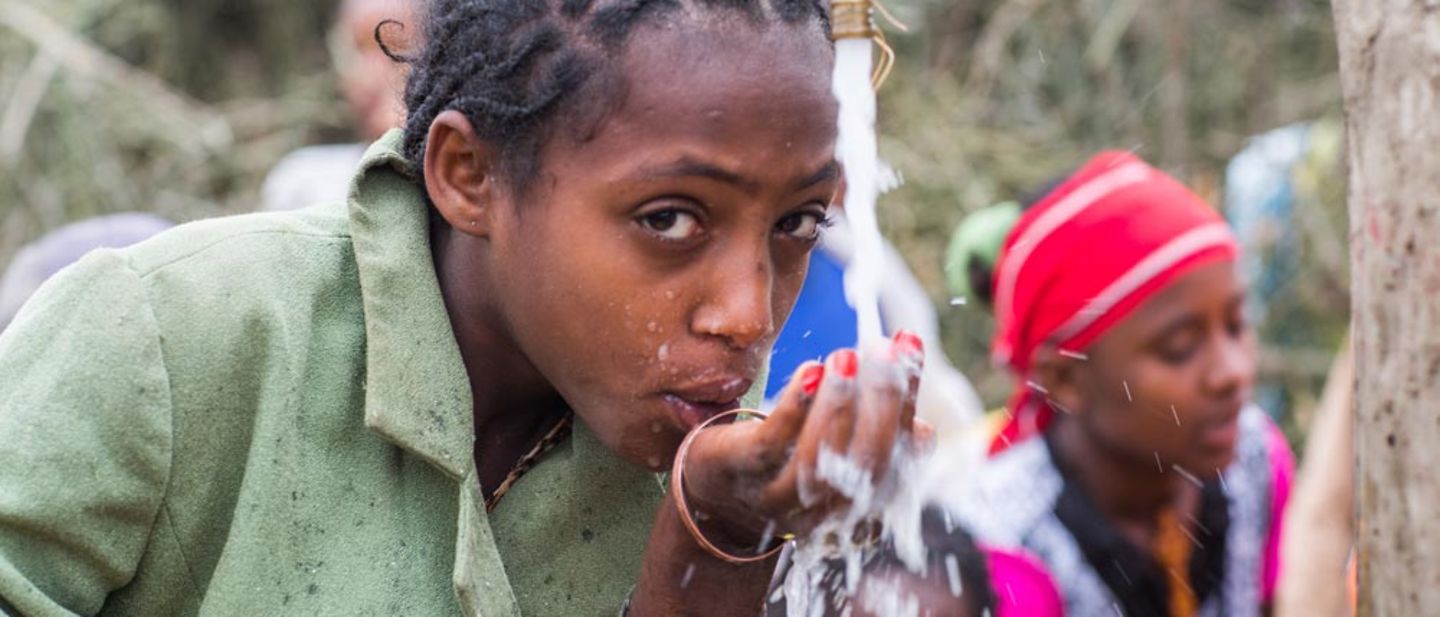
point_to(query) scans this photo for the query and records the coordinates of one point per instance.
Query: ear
(1061, 377)
(460, 174)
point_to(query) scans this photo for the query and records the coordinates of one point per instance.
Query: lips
(1223, 432)
(692, 404)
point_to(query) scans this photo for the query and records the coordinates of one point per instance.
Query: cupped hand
(828, 442)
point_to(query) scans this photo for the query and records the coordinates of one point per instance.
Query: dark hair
(981, 274)
(511, 66)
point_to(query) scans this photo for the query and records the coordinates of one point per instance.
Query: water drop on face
(655, 427)
(654, 462)
(689, 572)
(669, 294)
(652, 326)
(664, 352)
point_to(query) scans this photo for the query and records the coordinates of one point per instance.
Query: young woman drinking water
(450, 394)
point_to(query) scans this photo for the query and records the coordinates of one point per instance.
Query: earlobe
(459, 174)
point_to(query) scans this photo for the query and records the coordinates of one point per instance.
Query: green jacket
(268, 414)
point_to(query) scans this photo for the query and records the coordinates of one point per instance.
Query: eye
(1238, 322)
(1179, 347)
(803, 225)
(672, 224)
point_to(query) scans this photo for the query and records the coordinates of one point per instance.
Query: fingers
(793, 407)
(909, 353)
(887, 400)
(852, 421)
(924, 435)
(829, 423)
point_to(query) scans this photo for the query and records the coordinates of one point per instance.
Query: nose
(1233, 369)
(737, 309)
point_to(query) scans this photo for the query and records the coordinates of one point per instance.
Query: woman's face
(652, 261)
(1170, 379)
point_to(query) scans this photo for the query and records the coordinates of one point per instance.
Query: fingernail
(845, 362)
(907, 343)
(810, 379)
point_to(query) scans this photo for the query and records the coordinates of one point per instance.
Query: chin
(635, 439)
(1208, 461)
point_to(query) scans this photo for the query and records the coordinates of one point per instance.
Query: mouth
(693, 404)
(1222, 433)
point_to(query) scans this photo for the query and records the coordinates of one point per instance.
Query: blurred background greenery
(179, 107)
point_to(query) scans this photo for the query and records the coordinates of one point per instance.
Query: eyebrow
(829, 171)
(1190, 319)
(691, 168)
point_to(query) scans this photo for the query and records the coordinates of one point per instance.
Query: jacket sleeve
(85, 439)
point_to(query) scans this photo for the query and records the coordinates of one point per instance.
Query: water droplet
(689, 572)
(664, 352)
(654, 462)
(957, 301)
(669, 294)
(655, 427)
(652, 326)
(1127, 391)
(952, 569)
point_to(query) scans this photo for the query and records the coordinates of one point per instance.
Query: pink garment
(1282, 475)
(1022, 585)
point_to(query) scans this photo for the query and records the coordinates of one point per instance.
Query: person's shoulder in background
(38, 261)
(311, 175)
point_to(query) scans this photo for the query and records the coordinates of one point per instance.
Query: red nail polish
(908, 343)
(846, 363)
(810, 379)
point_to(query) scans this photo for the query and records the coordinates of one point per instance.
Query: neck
(1126, 491)
(514, 405)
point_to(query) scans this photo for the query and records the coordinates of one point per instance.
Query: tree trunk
(1390, 75)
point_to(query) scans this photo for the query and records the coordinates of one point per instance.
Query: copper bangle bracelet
(677, 488)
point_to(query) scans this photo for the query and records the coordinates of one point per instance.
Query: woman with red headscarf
(1130, 461)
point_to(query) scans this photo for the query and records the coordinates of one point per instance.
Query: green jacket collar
(417, 394)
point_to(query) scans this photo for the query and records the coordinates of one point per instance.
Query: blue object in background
(821, 322)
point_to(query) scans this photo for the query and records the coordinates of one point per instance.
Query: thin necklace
(557, 434)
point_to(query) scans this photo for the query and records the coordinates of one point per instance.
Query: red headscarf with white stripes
(1086, 255)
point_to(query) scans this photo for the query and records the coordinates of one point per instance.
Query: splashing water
(858, 153)
(896, 500)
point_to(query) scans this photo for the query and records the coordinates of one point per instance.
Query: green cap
(979, 237)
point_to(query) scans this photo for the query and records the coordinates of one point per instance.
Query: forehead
(715, 78)
(1208, 289)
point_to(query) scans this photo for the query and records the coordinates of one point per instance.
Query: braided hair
(512, 66)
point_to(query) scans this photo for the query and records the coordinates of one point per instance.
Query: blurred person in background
(43, 258)
(1130, 458)
(371, 83)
